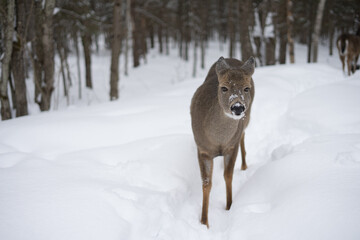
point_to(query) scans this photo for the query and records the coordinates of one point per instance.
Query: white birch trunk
(317, 29)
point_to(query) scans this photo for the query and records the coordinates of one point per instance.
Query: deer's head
(234, 91)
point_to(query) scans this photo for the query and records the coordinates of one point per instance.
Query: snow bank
(129, 170)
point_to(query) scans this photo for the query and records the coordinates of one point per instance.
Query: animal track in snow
(348, 158)
(257, 208)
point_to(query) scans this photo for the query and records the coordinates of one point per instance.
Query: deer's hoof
(205, 222)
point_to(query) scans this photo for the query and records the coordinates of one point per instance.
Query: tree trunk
(331, 37)
(270, 51)
(115, 51)
(151, 34)
(195, 58)
(282, 32)
(128, 35)
(144, 49)
(269, 36)
(136, 35)
(160, 37)
(86, 41)
(290, 22)
(317, 30)
(9, 29)
(62, 69)
(204, 31)
(246, 48)
(18, 62)
(202, 47)
(76, 43)
(48, 46)
(231, 28)
(18, 70)
(167, 49)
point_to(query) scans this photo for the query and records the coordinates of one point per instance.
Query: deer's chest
(223, 131)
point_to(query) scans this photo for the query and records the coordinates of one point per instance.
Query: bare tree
(86, 42)
(48, 48)
(316, 33)
(282, 28)
(5, 72)
(290, 22)
(18, 60)
(231, 27)
(246, 48)
(128, 35)
(115, 51)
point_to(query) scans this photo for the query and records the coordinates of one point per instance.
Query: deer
(220, 112)
(349, 47)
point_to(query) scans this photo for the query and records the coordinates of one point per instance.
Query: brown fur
(215, 130)
(349, 49)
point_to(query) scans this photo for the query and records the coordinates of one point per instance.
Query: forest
(99, 139)
(35, 32)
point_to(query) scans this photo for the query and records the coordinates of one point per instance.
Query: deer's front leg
(229, 163)
(206, 168)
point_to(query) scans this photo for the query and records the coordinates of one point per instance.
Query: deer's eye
(224, 89)
(247, 89)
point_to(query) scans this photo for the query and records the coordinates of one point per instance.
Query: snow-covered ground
(128, 169)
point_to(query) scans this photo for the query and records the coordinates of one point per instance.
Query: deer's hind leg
(342, 59)
(243, 152)
(353, 68)
(206, 168)
(349, 62)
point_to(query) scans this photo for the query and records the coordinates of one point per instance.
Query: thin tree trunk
(202, 47)
(246, 48)
(167, 50)
(270, 51)
(115, 51)
(317, 30)
(290, 22)
(18, 70)
(270, 39)
(160, 37)
(18, 61)
(76, 42)
(195, 58)
(12, 90)
(231, 28)
(48, 46)
(203, 34)
(151, 35)
(5, 69)
(144, 49)
(136, 28)
(86, 41)
(66, 63)
(282, 32)
(128, 35)
(62, 69)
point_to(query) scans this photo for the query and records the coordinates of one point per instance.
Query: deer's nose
(237, 109)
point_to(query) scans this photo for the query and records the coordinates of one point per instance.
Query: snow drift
(128, 169)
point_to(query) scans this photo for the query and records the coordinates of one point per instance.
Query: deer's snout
(237, 108)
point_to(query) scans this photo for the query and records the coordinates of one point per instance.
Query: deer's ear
(221, 67)
(249, 66)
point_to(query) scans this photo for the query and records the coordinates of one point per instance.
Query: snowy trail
(128, 169)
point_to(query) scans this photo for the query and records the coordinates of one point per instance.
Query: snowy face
(234, 94)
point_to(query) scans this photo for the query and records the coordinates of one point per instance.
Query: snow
(235, 117)
(128, 169)
(232, 97)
